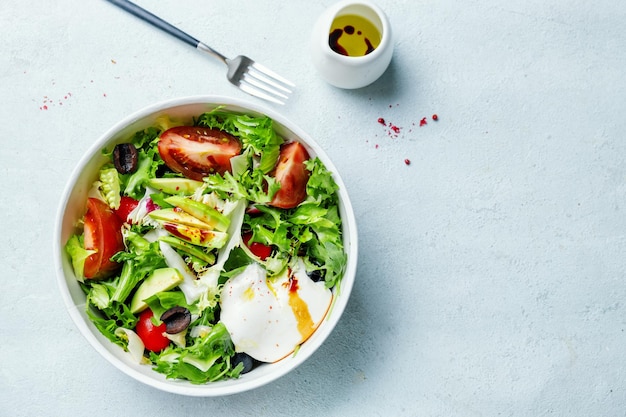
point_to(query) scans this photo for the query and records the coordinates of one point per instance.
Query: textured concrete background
(492, 272)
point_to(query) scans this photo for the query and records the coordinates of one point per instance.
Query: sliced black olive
(247, 360)
(125, 158)
(176, 319)
(316, 275)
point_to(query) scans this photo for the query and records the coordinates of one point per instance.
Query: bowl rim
(228, 387)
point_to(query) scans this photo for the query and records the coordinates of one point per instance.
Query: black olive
(161, 170)
(176, 319)
(247, 360)
(316, 275)
(125, 158)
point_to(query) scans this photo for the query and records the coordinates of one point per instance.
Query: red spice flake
(392, 130)
(104, 95)
(48, 102)
(435, 117)
(422, 122)
(376, 146)
(407, 161)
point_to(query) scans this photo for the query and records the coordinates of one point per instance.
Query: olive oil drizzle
(353, 35)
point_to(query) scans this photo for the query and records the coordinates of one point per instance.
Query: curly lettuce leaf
(110, 186)
(148, 162)
(256, 133)
(254, 186)
(75, 248)
(325, 251)
(139, 260)
(321, 186)
(118, 315)
(207, 359)
(311, 230)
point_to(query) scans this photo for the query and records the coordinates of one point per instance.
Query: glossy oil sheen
(353, 35)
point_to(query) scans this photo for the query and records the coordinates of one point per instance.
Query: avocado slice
(174, 185)
(180, 217)
(201, 237)
(201, 211)
(162, 279)
(191, 250)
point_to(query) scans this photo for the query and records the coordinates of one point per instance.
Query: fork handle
(145, 15)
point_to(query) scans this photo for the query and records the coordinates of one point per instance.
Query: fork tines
(266, 84)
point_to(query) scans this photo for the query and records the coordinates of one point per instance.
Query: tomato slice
(292, 175)
(197, 151)
(257, 249)
(103, 233)
(127, 205)
(151, 335)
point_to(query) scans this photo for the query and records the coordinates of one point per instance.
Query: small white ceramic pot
(351, 72)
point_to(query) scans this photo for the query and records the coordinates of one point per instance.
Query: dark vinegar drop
(370, 47)
(333, 42)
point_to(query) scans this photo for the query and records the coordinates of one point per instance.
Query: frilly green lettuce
(110, 187)
(256, 133)
(78, 254)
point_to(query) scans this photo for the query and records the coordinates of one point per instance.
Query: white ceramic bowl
(72, 208)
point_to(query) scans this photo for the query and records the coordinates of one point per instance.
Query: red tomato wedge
(197, 151)
(127, 205)
(257, 249)
(292, 175)
(151, 335)
(103, 234)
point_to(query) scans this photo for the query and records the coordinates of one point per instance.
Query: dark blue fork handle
(145, 15)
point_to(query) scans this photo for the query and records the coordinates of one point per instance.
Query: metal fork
(243, 72)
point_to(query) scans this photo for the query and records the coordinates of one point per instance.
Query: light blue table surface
(491, 277)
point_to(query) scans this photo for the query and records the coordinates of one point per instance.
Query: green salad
(179, 213)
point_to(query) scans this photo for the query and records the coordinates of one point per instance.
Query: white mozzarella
(269, 319)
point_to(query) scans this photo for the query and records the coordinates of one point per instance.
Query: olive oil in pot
(353, 35)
